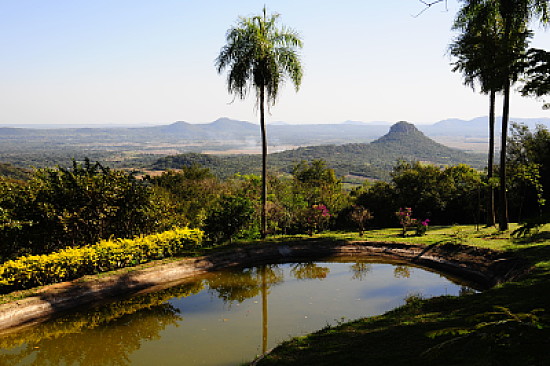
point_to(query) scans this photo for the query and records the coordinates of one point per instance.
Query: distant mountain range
(477, 127)
(371, 160)
(279, 133)
(117, 145)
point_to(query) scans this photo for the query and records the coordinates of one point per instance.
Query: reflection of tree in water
(106, 335)
(308, 271)
(110, 345)
(245, 283)
(402, 272)
(360, 270)
(239, 285)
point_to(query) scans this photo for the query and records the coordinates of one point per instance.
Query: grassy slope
(400, 337)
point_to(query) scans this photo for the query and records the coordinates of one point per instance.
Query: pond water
(225, 318)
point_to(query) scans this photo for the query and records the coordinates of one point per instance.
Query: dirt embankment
(480, 266)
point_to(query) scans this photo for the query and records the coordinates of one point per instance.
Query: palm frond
(258, 55)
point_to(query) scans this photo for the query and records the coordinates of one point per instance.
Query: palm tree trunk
(491, 196)
(264, 311)
(503, 201)
(263, 219)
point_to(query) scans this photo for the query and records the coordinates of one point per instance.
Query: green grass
(515, 334)
(501, 326)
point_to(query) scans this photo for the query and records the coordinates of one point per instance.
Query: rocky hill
(373, 160)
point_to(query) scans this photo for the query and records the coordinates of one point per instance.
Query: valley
(350, 148)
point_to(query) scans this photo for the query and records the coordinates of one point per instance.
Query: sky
(139, 62)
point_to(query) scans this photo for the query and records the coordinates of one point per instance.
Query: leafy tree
(380, 198)
(529, 163)
(465, 189)
(190, 193)
(443, 195)
(259, 55)
(228, 218)
(418, 186)
(318, 184)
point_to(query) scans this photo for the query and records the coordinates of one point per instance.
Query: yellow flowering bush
(70, 263)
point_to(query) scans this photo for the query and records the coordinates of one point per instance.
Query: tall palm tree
(259, 56)
(514, 17)
(476, 50)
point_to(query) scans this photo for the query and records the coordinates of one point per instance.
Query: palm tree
(259, 56)
(516, 15)
(513, 17)
(476, 52)
(537, 75)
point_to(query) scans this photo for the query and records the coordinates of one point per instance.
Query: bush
(107, 255)
(61, 207)
(230, 217)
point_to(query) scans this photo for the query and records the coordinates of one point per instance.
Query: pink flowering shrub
(404, 215)
(317, 217)
(422, 227)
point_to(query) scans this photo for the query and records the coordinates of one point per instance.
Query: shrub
(62, 207)
(360, 215)
(70, 263)
(228, 218)
(316, 218)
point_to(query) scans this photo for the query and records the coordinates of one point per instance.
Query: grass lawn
(506, 325)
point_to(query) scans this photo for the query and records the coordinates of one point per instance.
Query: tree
(61, 207)
(191, 192)
(537, 74)
(529, 162)
(443, 195)
(228, 218)
(360, 215)
(260, 56)
(317, 184)
(476, 51)
(514, 17)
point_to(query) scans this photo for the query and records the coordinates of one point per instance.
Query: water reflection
(242, 284)
(402, 272)
(247, 283)
(309, 271)
(83, 338)
(138, 330)
(360, 270)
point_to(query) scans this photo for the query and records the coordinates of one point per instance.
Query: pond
(224, 318)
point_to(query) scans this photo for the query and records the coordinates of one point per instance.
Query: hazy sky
(143, 61)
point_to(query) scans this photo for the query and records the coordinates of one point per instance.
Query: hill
(12, 172)
(477, 127)
(123, 147)
(372, 160)
(138, 147)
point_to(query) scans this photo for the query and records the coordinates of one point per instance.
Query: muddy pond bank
(483, 267)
